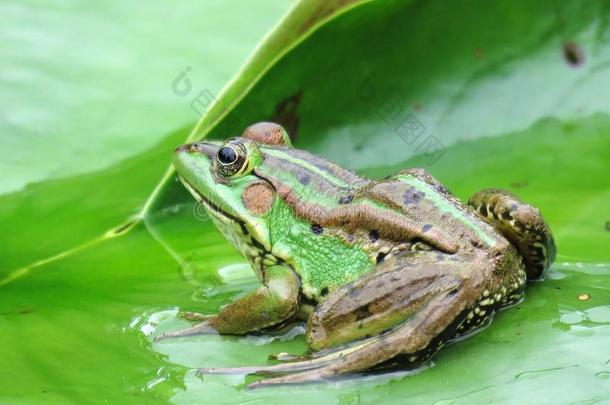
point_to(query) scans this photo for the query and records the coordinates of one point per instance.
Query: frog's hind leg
(411, 306)
(520, 223)
(413, 341)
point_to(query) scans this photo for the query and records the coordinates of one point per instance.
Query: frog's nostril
(195, 147)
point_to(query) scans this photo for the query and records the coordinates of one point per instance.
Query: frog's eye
(227, 155)
(232, 159)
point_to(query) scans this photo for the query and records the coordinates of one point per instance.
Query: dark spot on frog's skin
(412, 196)
(573, 54)
(476, 243)
(324, 291)
(304, 178)
(362, 313)
(380, 257)
(441, 189)
(483, 210)
(346, 199)
(426, 228)
(608, 226)
(374, 235)
(316, 229)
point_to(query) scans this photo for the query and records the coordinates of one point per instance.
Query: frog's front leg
(273, 302)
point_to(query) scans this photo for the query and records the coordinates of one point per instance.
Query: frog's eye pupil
(227, 155)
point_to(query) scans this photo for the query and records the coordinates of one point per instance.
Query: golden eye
(231, 158)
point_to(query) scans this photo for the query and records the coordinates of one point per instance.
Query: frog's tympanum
(385, 272)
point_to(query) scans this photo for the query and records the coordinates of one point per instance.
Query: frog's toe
(287, 367)
(233, 370)
(202, 328)
(310, 376)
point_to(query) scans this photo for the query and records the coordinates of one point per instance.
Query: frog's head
(222, 176)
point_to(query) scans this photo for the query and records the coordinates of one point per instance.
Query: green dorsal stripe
(433, 196)
(307, 166)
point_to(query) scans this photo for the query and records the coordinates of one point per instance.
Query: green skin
(384, 271)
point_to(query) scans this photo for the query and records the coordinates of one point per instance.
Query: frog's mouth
(236, 231)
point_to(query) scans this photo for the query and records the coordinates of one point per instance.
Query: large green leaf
(512, 94)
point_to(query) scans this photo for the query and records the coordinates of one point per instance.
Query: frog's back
(432, 210)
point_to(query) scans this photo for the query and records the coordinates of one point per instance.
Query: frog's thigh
(394, 292)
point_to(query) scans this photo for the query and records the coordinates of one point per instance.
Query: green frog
(385, 272)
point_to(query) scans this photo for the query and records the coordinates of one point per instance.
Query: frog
(384, 272)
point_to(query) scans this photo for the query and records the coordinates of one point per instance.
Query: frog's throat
(258, 256)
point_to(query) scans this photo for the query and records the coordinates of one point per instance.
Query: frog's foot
(202, 328)
(290, 363)
(520, 223)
